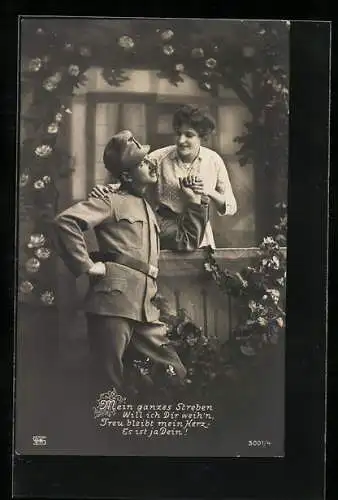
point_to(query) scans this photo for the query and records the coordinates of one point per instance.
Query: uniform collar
(129, 190)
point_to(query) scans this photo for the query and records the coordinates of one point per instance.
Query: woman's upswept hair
(197, 118)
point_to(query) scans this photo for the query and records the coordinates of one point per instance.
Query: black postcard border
(301, 473)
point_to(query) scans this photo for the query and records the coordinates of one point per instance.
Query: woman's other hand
(195, 183)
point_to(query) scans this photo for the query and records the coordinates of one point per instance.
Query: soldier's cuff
(227, 209)
(224, 210)
(85, 266)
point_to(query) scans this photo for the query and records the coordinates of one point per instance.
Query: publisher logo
(39, 440)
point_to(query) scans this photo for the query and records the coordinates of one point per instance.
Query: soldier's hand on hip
(98, 269)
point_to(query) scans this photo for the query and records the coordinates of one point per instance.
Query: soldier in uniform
(120, 305)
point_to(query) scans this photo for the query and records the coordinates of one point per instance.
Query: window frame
(151, 100)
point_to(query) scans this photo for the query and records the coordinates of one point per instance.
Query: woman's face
(188, 141)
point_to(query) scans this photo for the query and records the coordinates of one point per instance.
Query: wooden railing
(184, 284)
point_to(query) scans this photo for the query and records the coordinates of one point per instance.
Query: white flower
(207, 267)
(69, 47)
(179, 67)
(274, 294)
(47, 298)
(268, 241)
(275, 262)
(277, 86)
(36, 240)
(167, 35)
(58, 117)
(73, 70)
(49, 85)
(256, 307)
(43, 253)
(262, 321)
(43, 150)
(39, 184)
(252, 305)
(35, 64)
(211, 63)
(126, 42)
(144, 371)
(171, 370)
(46, 179)
(53, 128)
(168, 50)
(32, 265)
(26, 287)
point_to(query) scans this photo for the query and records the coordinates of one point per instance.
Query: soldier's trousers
(109, 337)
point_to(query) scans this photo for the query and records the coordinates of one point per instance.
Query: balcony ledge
(190, 263)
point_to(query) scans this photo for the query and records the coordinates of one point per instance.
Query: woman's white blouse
(208, 165)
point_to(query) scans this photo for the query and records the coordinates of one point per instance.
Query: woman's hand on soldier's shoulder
(100, 191)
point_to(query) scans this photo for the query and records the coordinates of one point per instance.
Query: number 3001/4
(259, 443)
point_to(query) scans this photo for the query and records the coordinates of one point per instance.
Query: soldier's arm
(184, 232)
(69, 228)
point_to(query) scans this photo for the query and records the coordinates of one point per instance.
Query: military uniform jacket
(125, 224)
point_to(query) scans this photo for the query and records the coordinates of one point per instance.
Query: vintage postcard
(153, 173)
